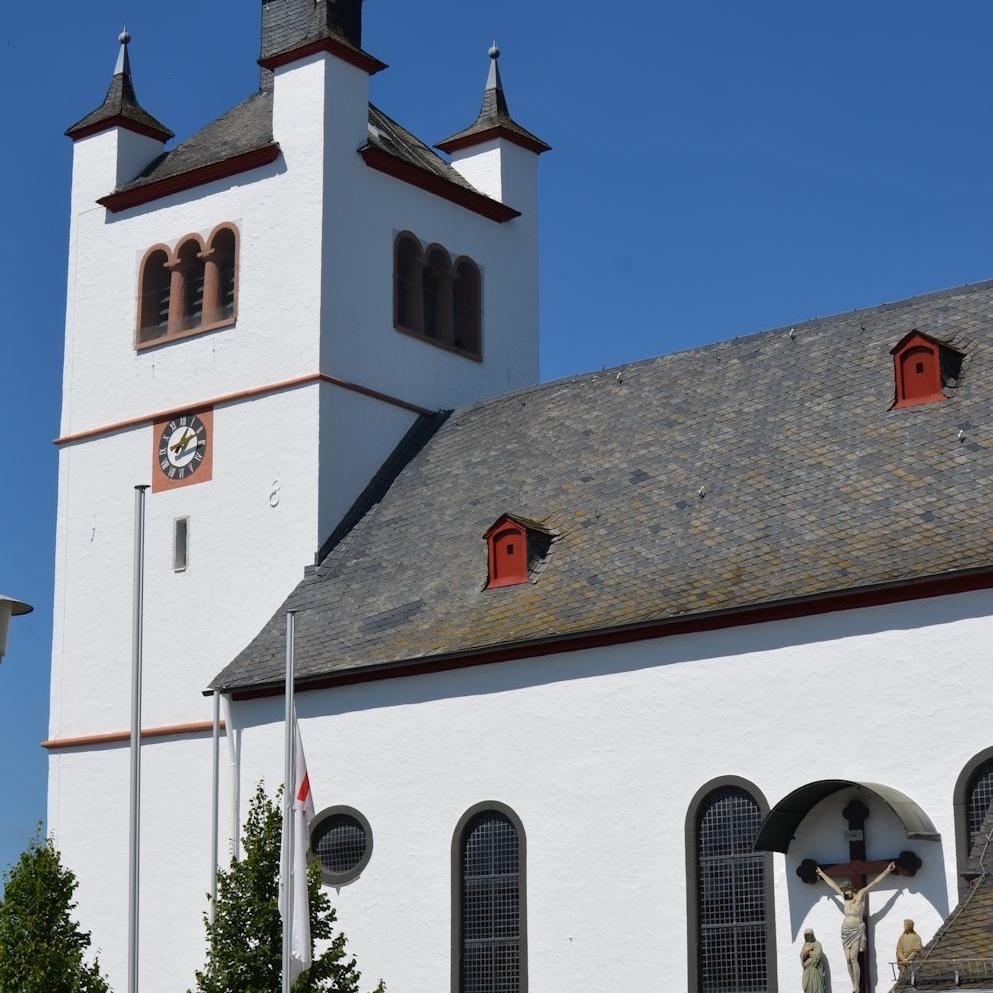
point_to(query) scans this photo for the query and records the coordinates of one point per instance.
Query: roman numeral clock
(182, 450)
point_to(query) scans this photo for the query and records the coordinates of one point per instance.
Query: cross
(858, 868)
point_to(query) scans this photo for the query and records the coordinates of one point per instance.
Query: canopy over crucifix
(859, 872)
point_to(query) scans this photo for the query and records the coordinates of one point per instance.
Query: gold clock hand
(181, 444)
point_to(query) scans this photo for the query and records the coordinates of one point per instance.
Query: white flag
(301, 813)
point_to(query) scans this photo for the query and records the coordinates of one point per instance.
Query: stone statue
(853, 924)
(812, 960)
(910, 945)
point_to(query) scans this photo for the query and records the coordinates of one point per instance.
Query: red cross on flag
(301, 813)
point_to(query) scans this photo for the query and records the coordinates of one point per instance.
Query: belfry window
(189, 290)
(922, 366)
(489, 919)
(437, 301)
(730, 895)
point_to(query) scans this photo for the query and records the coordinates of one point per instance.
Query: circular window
(341, 841)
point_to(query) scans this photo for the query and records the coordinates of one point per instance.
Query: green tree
(245, 938)
(42, 949)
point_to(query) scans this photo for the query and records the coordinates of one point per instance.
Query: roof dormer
(922, 366)
(516, 546)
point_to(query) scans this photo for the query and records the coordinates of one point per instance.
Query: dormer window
(516, 548)
(922, 366)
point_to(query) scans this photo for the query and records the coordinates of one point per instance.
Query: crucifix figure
(853, 892)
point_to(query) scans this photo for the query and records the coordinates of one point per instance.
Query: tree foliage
(42, 949)
(245, 937)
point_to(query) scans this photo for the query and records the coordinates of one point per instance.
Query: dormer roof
(120, 107)
(494, 120)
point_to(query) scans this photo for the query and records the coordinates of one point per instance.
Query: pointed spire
(120, 107)
(494, 120)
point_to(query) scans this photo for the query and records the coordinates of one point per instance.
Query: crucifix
(854, 891)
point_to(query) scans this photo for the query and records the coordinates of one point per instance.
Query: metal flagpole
(136, 662)
(288, 790)
(215, 815)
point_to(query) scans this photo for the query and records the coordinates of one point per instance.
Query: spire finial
(494, 50)
(123, 67)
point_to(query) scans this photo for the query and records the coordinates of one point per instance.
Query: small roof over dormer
(494, 120)
(120, 108)
(525, 522)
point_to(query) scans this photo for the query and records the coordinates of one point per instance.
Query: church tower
(256, 318)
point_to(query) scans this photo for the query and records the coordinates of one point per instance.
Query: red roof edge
(115, 202)
(470, 199)
(119, 121)
(498, 131)
(353, 56)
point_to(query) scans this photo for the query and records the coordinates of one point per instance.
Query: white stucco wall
(600, 753)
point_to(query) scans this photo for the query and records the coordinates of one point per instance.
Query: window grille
(980, 797)
(342, 841)
(731, 895)
(491, 908)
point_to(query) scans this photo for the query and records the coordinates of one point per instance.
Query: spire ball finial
(124, 37)
(494, 51)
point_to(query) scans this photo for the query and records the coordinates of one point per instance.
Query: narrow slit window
(181, 544)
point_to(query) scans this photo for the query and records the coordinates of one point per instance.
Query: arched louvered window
(438, 279)
(408, 289)
(729, 892)
(153, 295)
(972, 799)
(220, 275)
(186, 303)
(468, 302)
(488, 916)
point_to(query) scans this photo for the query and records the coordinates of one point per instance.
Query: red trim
(823, 603)
(353, 56)
(171, 731)
(506, 569)
(928, 352)
(115, 202)
(498, 131)
(119, 121)
(257, 391)
(445, 188)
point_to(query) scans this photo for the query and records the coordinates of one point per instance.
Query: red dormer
(917, 363)
(514, 544)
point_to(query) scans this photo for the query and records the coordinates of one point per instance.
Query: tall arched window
(438, 278)
(972, 798)
(489, 932)
(153, 295)
(186, 295)
(468, 306)
(220, 268)
(408, 298)
(730, 913)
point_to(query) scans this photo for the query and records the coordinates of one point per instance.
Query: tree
(42, 949)
(245, 938)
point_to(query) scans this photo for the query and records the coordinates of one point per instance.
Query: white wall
(600, 753)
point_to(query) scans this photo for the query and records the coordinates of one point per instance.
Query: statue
(812, 960)
(910, 945)
(853, 924)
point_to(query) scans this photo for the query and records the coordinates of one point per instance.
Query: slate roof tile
(812, 485)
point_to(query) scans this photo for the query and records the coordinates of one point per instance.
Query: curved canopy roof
(781, 823)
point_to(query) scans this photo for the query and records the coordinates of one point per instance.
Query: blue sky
(719, 167)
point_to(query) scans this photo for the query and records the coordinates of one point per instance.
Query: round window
(341, 840)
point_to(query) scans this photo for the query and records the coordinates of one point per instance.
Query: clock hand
(182, 443)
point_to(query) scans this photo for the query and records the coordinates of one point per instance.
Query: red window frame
(917, 371)
(507, 547)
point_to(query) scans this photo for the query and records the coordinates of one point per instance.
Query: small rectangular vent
(181, 544)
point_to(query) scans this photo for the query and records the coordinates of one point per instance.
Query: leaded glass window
(730, 895)
(491, 905)
(979, 798)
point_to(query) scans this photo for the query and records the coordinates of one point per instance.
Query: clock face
(182, 450)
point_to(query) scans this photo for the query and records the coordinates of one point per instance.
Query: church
(606, 683)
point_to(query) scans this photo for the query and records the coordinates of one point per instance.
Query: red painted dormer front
(507, 543)
(917, 366)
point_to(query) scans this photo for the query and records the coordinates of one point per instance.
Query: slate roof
(248, 127)
(812, 484)
(964, 943)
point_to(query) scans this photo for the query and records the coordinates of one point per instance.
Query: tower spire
(120, 107)
(494, 120)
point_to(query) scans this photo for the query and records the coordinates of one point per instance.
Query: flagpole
(135, 802)
(288, 790)
(215, 804)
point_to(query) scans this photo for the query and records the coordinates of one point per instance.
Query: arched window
(730, 914)
(153, 295)
(186, 298)
(438, 278)
(489, 932)
(972, 798)
(220, 274)
(408, 291)
(468, 302)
